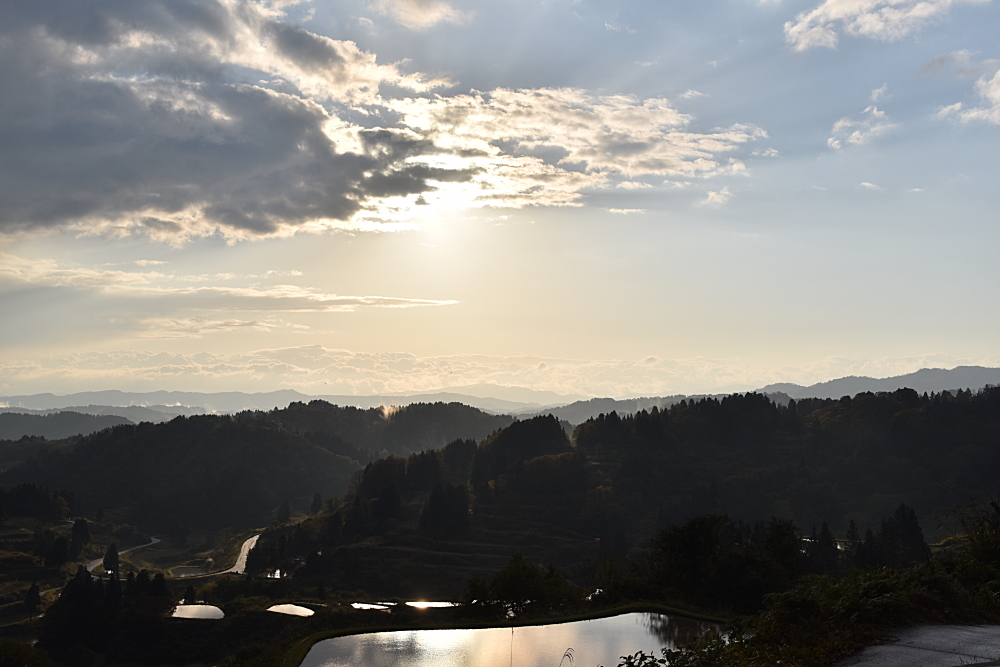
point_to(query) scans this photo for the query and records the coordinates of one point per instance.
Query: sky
(594, 198)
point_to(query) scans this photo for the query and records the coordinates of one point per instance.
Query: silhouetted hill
(203, 470)
(188, 402)
(400, 431)
(931, 380)
(55, 426)
(134, 413)
(581, 411)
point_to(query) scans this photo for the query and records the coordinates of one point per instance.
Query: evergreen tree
(81, 531)
(189, 595)
(113, 594)
(59, 553)
(389, 504)
(111, 560)
(284, 512)
(158, 586)
(853, 538)
(317, 504)
(33, 599)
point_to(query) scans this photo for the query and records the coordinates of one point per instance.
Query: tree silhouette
(33, 598)
(317, 504)
(111, 559)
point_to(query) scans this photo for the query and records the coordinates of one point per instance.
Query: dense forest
(710, 504)
(14, 425)
(223, 470)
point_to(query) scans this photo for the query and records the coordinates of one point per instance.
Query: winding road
(153, 540)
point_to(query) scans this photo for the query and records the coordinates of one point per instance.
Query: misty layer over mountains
(119, 407)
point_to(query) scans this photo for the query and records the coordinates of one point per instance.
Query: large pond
(596, 642)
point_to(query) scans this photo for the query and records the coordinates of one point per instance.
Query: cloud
(987, 86)
(174, 120)
(870, 186)
(886, 20)
(619, 27)
(718, 198)
(944, 112)
(193, 328)
(859, 131)
(182, 292)
(633, 185)
(961, 63)
(625, 211)
(691, 94)
(880, 92)
(418, 14)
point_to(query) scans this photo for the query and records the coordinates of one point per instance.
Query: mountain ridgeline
(620, 477)
(219, 470)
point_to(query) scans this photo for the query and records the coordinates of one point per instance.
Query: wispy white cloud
(418, 14)
(859, 131)
(963, 65)
(720, 197)
(880, 92)
(178, 292)
(625, 211)
(192, 327)
(619, 27)
(886, 20)
(870, 186)
(691, 94)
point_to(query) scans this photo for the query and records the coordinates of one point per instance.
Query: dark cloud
(168, 137)
(309, 50)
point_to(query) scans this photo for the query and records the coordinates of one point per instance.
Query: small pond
(595, 642)
(187, 571)
(197, 611)
(291, 610)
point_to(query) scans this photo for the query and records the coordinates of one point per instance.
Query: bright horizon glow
(580, 197)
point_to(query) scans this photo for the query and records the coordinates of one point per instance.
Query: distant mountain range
(508, 400)
(925, 380)
(159, 406)
(55, 426)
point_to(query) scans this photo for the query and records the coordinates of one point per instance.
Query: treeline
(196, 471)
(810, 461)
(14, 425)
(234, 470)
(396, 431)
(30, 500)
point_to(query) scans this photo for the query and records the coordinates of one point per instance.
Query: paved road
(241, 561)
(94, 563)
(934, 646)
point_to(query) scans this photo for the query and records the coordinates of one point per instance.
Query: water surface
(197, 611)
(291, 610)
(596, 642)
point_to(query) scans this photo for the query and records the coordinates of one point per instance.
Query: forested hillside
(14, 425)
(234, 470)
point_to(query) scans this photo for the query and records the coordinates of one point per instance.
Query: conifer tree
(59, 554)
(317, 504)
(33, 599)
(111, 560)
